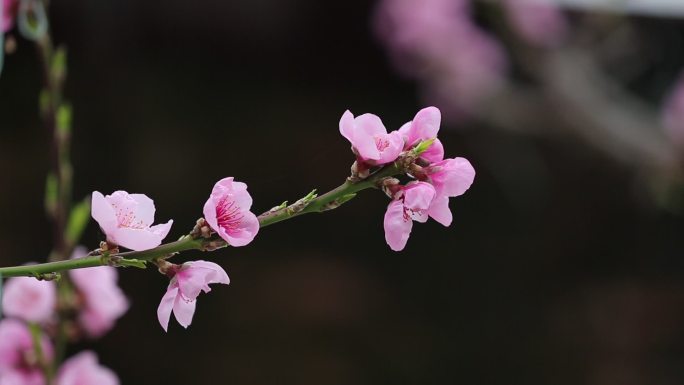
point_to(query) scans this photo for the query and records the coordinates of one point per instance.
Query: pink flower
(414, 202)
(187, 282)
(103, 300)
(451, 177)
(83, 369)
(9, 13)
(19, 364)
(369, 138)
(227, 212)
(29, 299)
(126, 219)
(424, 126)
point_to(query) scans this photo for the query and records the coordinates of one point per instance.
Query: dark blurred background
(560, 266)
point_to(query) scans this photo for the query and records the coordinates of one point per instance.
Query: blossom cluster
(434, 179)
(31, 307)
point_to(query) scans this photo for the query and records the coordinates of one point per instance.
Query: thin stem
(327, 201)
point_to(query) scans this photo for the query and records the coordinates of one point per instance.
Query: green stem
(322, 203)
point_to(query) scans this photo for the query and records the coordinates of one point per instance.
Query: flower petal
(184, 310)
(103, 212)
(136, 239)
(434, 153)
(245, 233)
(397, 226)
(439, 210)
(144, 208)
(418, 196)
(165, 307)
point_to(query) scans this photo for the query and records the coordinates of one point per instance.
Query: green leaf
(51, 194)
(59, 64)
(423, 146)
(64, 119)
(345, 198)
(139, 263)
(78, 220)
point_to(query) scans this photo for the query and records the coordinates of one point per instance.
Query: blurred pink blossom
(19, 364)
(227, 212)
(414, 202)
(83, 369)
(369, 138)
(103, 300)
(436, 42)
(29, 299)
(9, 13)
(187, 282)
(672, 114)
(538, 22)
(126, 219)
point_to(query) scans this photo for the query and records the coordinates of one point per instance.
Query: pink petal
(395, 144)
(144, 208)
(456, 177)
(371, 125)
(184, 310)
(219, 275)
(103, 213)
(426, 124)
(139, 239)
(197, 275)
(209, 212)
(166, 305)
(240, 196)
(248, 229)
(397, 226)
(439, 210)
(347, 125)
(434, 153)
(418, 196)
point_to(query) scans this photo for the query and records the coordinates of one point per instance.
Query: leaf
(78, 220)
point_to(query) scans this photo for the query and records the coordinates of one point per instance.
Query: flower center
(228, 214)
(127, 218)
(381, 143)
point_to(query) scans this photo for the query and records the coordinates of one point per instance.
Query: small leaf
(139, 263)
(345, 198)
(59, 64)
(64, 120)
(78, 220)
(423, 146)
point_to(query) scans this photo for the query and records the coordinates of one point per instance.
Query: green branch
(309, 204)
